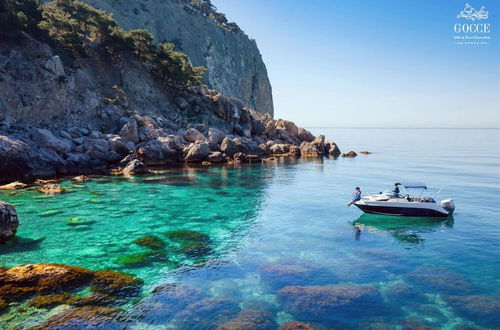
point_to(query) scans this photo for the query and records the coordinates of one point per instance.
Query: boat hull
(401, 211)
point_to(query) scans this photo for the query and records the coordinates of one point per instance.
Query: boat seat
(381, 199)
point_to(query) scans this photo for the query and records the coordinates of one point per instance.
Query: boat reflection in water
(405, 231)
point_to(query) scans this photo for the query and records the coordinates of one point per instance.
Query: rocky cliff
(235, 66)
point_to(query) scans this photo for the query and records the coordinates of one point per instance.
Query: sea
(266, 244)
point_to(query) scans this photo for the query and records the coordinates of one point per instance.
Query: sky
(384, 63)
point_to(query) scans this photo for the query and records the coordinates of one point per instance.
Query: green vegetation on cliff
(82, 29)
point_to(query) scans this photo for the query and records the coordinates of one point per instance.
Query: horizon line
(401, 127)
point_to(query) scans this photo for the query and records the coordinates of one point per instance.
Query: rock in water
(13, 186)
(51, 189)
(135, 167)
(8, 222)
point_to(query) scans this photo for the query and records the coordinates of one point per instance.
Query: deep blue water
(287, 224)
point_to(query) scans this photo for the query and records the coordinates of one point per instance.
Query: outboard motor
(448, 205)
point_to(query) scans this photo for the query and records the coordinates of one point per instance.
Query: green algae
(151, 242)
(141, 259)
(185, 236)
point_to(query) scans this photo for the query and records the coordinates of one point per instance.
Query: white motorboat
(406, 205)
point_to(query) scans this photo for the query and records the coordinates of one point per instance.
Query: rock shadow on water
(21, 244)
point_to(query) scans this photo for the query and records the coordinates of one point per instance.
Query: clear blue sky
(384, 63)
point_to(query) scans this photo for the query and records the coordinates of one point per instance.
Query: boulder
(258, 127)
(182, 103)
(197, 152)
(8, 222)
(228, 147)
(316, 148)
(97, 145)
(54, 65)
(215, 135)
(161, 151)
(287, 126)
(13, 186)
(45, 139)
(193, 135)
(305, 135)
(330, 303)
(332, 149)
(147, 133)
(215, 157)
(294, 151)
(129, 131)
(279, 148)
(135, 167)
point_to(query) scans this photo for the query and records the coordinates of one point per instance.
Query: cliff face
(235, 67)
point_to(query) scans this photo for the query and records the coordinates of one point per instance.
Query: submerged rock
(115, 283)
(9, 222)
(294, 325)
(182, 236)
(51, 300)
(141, 259)
(250, 320)
(152, 242)
(440, 280)
(84, 317)
(402, 293)
(330, 303)
(165, 301)
(22, 281)
(282, 273)
(207, 314)
(484, 310)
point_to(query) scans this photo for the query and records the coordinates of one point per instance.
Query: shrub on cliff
(17, 16)
(76, 26)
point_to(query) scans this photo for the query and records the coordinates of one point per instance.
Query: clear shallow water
(262, 219)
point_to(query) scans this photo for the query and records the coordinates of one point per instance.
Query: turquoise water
(261, 219)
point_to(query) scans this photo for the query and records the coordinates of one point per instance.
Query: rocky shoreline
(241, 135)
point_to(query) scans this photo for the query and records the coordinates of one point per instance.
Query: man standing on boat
(395, 191)
(356, 196)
